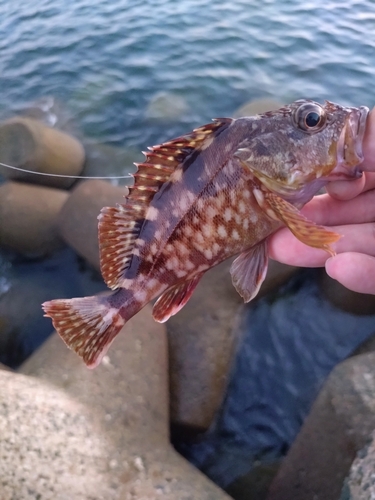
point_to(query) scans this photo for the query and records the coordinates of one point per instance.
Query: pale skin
(349, 209)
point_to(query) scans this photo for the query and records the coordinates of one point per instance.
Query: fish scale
(197, 200)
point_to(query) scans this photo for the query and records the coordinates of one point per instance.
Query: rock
(202, 344)
(166, 106)
(203, 340)
(347, 300)
(78, 223)
(256, 107)
(254, 485)
(29, 144)
(5, 368)
(28, 217)
(70, 432)
(59, 432)
(360, 484)
(339, 424)
(366, 346)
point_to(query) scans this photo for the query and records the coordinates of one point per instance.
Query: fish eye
(310, 117)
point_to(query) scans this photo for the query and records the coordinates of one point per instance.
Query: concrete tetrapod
(78, 219)
(340, 423)
(360, 484)
(203, 341)
(69, 432)
(29, 144)
(28, 218)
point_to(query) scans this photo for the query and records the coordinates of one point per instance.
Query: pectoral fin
(249, 270)
(305, 230)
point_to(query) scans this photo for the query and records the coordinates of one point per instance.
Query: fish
(197, 200)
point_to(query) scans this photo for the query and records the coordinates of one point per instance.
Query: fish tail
(88, 325)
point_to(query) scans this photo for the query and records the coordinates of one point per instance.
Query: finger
(346, 190)
(369, 180)
(285, 247)
(356, 238)
(328, 211)
(355, 271)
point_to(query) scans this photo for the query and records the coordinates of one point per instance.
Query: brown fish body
(212, 229)
(202, 198)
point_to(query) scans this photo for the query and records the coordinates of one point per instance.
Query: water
(106, 61)
(290, 342)
(24, 285)
(133, 73)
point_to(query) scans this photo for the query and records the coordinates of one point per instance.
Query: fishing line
(128, 176)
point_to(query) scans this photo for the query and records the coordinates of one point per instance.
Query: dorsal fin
(163, 159)
(119, 227)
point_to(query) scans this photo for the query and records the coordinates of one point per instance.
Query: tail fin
(87, 325)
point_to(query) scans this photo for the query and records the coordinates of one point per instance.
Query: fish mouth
(349, 145)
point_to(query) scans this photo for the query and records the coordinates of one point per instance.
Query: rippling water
(107, 60)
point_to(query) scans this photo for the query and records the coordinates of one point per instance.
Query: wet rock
(360, 484)
(203, 340)
(77, 433)
(166, 106)
(256, 107)
(78, 223)
(31, 145)
(28, 217)
(339, 424)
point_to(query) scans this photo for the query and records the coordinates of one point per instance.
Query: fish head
(299, 148)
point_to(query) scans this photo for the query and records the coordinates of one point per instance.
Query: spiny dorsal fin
(119, 227)
(163, 159)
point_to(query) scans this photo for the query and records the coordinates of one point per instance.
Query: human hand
(349, 209)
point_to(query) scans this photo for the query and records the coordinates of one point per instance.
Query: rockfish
(204, 197)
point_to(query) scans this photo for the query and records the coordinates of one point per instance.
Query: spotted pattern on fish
(216, 226)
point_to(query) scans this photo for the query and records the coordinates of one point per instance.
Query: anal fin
(249, 269)
(174, 299)
(308, 232)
